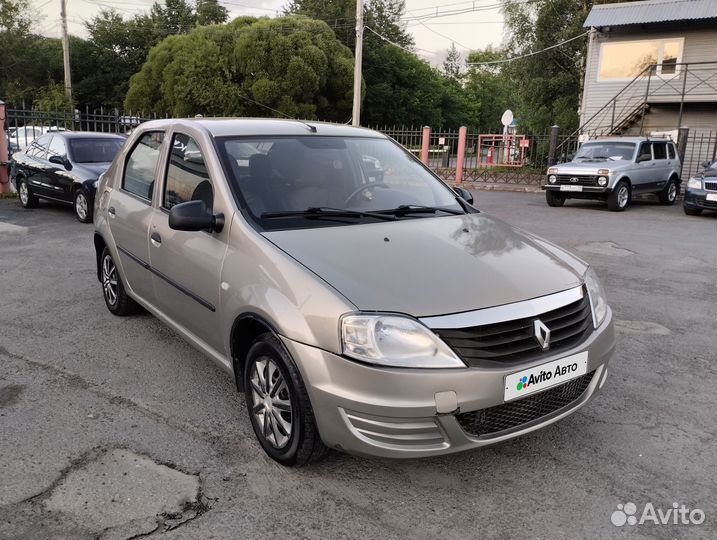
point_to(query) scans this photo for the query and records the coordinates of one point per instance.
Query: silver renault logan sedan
(359, 302)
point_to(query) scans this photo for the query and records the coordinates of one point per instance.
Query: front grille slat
(494, 421)
(582, 180)
(711, 186)
(512, 341)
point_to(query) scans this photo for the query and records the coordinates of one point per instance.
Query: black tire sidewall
(31, 197)
(613, 199)
(268, 345)
(88, 216)
(554, 199)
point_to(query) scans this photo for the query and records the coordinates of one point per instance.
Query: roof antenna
(312, 129)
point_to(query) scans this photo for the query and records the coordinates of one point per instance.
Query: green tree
(210, 12)
(52, 97)
(452, 65)
(290, 66)
(488, 88)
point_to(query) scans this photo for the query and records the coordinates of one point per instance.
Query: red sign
(525, 143)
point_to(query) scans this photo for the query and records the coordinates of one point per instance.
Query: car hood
(591, 167)
(90, 171)
(432, 266)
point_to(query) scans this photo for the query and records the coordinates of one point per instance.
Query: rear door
(130, 212)
(187, 265)
(34, 167)
(59, 178)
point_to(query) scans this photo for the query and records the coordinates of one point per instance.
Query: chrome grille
(711, 186)
(493, 421)
(582, 180)
(511, 341)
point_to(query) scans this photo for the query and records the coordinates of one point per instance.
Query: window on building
(629, 59)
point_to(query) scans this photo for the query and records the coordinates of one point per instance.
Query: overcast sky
(469, 29)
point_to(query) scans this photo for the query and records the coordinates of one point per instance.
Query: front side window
(95, 150)
(645, 153)
(338, 174)
(57, 148)
(629, 59)
(187, 176)
(141, 167)
(38, 148)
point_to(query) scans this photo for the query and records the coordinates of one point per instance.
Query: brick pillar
(461, 154)
(425, 145)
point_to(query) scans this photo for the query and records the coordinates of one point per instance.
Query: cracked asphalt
(77, 383)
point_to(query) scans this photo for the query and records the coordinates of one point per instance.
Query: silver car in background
(615, 169)
(359, 302)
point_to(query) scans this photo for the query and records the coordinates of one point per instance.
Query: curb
(483, 186)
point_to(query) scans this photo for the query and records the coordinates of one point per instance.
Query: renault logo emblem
(541, 334)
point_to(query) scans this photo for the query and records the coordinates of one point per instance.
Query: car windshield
(313, 181)
(94, 150)
(601, 151)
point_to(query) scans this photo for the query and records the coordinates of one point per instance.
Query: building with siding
(651, 67)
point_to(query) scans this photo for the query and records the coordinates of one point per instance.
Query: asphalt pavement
(116, 428)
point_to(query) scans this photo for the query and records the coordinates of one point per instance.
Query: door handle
(111, 211)
(156, 239)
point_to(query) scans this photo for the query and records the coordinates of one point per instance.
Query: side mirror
(59, 160)
(194, 216)
(644, 157)
(464, 194)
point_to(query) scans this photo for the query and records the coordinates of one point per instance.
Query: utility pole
(356, 114)
(66, 48)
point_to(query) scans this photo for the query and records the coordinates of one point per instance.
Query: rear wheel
(692, 211)
(668, 195)
(83, 209)
(279, 406)
(116, 298)
(27, 198)
(554, 199)
(619, 198)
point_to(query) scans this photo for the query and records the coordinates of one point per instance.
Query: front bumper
(586, 189)
(697, 198)
(405, 413)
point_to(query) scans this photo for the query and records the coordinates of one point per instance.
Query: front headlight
(694, 183)
(552, 178)
(602, 181)
(598, 301)
(392, 340)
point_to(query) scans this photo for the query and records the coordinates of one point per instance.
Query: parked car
(380, 315)
(701, 191)
(64, 166)
(20, 138)
(614, 170)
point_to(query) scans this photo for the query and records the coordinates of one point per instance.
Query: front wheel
(619, 198)
(279, 406)
(668, 196)
(83, 209)
(27, 198)
(554, 199)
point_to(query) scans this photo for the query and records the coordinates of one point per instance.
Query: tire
(290, 436)
(669, 194)
(116, 298)
(554, 199)
(619, 197)
(692, 211)
(82, 206)
(27, 198)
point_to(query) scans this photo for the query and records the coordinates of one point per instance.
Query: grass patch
(8, 195)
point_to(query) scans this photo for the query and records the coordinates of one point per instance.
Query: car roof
(225, 127)
(85, 135)
(630, 139)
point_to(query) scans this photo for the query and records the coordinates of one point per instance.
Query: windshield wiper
(419, 209)
(325, 212)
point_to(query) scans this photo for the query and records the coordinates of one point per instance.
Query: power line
(528, 54)
(396, 44)
(442, 35)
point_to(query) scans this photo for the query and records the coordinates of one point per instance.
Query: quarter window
(141, 167)
(629, 59)
(187, 176)
(671, 151)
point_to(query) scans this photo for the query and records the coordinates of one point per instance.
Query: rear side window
(660, 150)
(141, 168)
(671, 151)
(187, 176)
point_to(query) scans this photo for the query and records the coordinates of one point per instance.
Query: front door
(645, 171)
(59, 178)
(130, 213)
(187, 265)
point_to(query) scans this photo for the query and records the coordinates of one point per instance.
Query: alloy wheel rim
(271, 402)
(109, 280)
(622, 196)
(672, 192)
(81, 206)
(24, 195)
